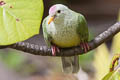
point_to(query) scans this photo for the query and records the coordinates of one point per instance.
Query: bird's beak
(51, 19)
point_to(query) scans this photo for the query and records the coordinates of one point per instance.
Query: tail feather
(70, 64)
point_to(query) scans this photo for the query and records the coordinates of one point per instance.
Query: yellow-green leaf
(114, 75)
(19, 20)
(107, 77)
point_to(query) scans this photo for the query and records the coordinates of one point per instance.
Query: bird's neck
(59, 20)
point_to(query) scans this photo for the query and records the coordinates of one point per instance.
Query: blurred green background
(100, 14)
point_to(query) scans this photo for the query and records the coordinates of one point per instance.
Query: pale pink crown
(52, 10)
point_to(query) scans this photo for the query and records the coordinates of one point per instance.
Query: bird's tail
(70, 64)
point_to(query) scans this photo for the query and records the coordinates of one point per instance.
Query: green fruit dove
(64, 28)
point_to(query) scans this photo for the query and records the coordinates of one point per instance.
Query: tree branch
(45, 51)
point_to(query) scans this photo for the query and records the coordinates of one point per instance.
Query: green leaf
(19, 20)
(107, 77)
(114, 75)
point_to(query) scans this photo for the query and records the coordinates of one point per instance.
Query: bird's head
(56, 12)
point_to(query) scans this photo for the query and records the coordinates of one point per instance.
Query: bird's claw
(55, 49)
(84, 46)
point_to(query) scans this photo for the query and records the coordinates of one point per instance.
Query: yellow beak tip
(50, 20)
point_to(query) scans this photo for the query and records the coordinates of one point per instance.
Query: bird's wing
(47, 36)
(82, 28)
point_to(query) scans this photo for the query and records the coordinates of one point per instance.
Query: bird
(65, 28)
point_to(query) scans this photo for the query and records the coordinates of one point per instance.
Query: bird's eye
(59, 11)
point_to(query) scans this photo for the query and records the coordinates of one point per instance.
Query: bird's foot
(55, 49)
(84, 46)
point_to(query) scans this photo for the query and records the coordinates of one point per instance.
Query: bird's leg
(55, 49)
(85, 46)
(81, 45)
(88, 48)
